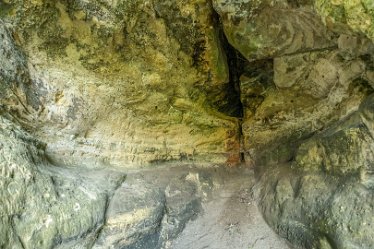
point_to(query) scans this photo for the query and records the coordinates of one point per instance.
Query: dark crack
(231, 104)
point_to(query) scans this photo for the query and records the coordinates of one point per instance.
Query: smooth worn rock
(316, 210)
(263, 29)
(344, 149)
(133, 217)
(324, 199)
(183, 203)
(45, 206)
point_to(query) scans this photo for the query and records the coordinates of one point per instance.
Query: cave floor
(229, 217)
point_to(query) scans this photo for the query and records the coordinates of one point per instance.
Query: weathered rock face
(316, 210)
(123, 83)
(326, 199)
(308, 115)
(345, 16)
(103, 84)
(44, 206)
(117, 62)
(314, 76)
(263, 29)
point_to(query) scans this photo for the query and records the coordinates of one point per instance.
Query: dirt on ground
(229, 218)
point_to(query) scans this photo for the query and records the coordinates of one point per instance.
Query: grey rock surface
(263, 29)
(345, 148)
(46, 206)
(325, 198)
(313, 210)
(133, 217)
(183, 203)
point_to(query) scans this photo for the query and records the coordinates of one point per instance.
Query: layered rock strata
(284, 86)
(123, 83)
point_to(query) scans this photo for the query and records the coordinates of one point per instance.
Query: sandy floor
(231, 220)
(230, 217)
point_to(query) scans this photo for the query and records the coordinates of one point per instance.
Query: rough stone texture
(100, 84)
(263, 29)
(317, 210)
(302, 77)
(16, 91)
(308, 126)
(151, 210)
(345, 148)
(133, 217)
(119, 83)
(310, 91)
(348, 15)
(324, 198)
(44, 206)
(14, 68)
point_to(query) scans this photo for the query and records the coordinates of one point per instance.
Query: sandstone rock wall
(286, 86)
(123, 83)
(44, 206)
(306, 90)
(301, 75)
(47, 206)
(136, 83)
(323, 199)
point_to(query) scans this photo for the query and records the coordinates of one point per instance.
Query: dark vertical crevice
(236, 67)
(233, 105)
(230, 104)
(236, 63)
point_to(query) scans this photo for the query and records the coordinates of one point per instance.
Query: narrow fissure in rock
(236, 65)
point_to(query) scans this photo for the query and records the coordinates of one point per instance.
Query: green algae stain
(4, 9)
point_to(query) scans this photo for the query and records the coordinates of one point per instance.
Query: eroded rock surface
(59, 207)
(317, 211)
(324, 198)
(263, 29)
(288, 95)
(92, 89)
(44, 206)
(307, 126)
(121, 83)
